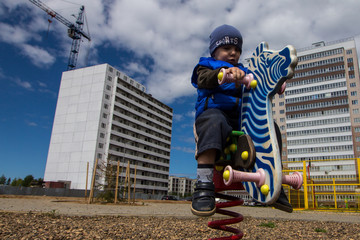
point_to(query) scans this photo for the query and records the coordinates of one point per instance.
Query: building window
(355, 111)
(353, 84)
(354, 102)
(354, 93)
(109, 78)
(349, 51)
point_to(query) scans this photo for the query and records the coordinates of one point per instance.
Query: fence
(329, 192)
(36, 191)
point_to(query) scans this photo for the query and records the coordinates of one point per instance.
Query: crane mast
(75, 31)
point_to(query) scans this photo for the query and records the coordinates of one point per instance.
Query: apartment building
(104, 115)
(181, 186)
(319, 114)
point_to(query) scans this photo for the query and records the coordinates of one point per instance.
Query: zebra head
(272, 67)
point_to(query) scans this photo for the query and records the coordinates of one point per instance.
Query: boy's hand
(237, 75)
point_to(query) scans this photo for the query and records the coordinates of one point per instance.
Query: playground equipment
(257, 163)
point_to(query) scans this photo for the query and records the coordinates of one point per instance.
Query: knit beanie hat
(225, 35)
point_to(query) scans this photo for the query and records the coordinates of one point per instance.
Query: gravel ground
(64, 218)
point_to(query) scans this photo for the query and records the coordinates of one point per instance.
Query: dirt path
(66, 218)
(77, 206)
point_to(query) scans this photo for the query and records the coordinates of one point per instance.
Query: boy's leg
(282, 203)
(203, 203)
(211, 130)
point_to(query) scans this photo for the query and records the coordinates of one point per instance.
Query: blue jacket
(225, 97)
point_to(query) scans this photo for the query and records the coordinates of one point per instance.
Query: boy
(217, 112)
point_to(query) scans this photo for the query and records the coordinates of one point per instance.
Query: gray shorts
(211, 129)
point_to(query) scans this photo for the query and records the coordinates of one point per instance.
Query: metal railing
(326, 194)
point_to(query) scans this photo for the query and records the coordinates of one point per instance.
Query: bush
(107, 196)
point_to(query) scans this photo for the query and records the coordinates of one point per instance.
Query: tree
(37, 182)
(2, 179)
(8, 181)
(27, 180)
(16, 182)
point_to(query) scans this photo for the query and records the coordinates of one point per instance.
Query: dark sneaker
(203, 203)
(283, 203)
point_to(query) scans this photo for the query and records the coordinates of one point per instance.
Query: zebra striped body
(270, 69)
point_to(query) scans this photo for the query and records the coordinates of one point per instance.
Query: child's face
(227, 53)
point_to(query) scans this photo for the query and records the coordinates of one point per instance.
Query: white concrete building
(103, 114)
(181, 186)
(319, 115)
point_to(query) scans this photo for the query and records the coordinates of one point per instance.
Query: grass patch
(268, 224)
(51, 214)
(320, 230)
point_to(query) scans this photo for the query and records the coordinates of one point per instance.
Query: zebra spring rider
(271, 69)
(262, 179)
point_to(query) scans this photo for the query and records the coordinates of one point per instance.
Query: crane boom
(75, 31)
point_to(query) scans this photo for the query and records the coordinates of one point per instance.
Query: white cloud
(174, 34)
(135, 67)
(31, 124)
(24, 84)
(39, 56)
(184, 149)
(188, 125)
(14, 34)
(178, 117)
(191, 114)
(42, 84)
(19, 37)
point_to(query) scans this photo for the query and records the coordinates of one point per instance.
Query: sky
(156, 42)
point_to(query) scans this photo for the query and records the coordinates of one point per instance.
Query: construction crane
(75, 31)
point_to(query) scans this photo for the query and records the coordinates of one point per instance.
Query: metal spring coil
(222, 224)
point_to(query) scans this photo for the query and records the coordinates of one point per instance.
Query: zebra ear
(261, 48)
(290, 53)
